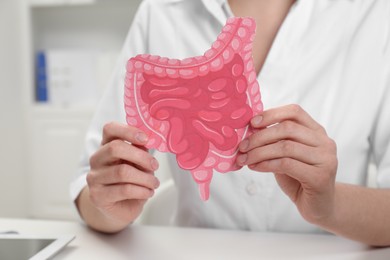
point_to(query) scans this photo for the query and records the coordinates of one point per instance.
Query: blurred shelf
(56, 131)
(52, 3)
(48, 3)
(46, 108)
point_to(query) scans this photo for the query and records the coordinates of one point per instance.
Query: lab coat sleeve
(111, 106)
(381, 140)
(382, 143)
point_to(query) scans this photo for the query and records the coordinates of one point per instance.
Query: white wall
(13, 182)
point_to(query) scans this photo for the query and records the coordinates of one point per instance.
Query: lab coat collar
(215, 7)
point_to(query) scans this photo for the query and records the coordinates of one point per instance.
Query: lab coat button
(251, 189)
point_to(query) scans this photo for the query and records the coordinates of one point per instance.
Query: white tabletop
(170, 243)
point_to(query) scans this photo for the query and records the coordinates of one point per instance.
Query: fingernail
(158, 183)
(256, 120)
(244, 145)
(141, 137)
(154, 164)
(241, 159)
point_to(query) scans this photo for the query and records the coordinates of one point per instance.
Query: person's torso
(327, 57)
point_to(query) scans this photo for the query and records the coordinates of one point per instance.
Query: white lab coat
(330, 57)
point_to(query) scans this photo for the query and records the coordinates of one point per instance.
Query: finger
(287, 130)
(290, 112)
(120, 192)
(123, 173)
(118, 150)
(115, 130)
(310, 177)
(289, 185)
(282, 149)
(295, 169)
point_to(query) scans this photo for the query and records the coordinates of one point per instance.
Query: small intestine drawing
(198, 108)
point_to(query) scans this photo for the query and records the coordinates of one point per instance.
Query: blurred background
(56, 57)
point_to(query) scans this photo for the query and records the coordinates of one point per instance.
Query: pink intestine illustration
(198, 108)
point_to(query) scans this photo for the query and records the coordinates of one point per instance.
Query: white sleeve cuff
(77, 185)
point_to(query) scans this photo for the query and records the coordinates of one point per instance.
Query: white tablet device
(15, 246)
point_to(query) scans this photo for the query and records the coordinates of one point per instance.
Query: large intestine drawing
(198, 108)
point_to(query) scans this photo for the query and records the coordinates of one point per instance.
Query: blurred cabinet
(56, 142)
(55, 132)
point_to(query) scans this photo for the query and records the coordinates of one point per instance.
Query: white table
(170, 243)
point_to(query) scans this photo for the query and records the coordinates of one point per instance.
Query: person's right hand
(121, 178)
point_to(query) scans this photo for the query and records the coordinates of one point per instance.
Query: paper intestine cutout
(198, 108)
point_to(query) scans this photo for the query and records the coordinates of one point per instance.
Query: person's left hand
(289, 143)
